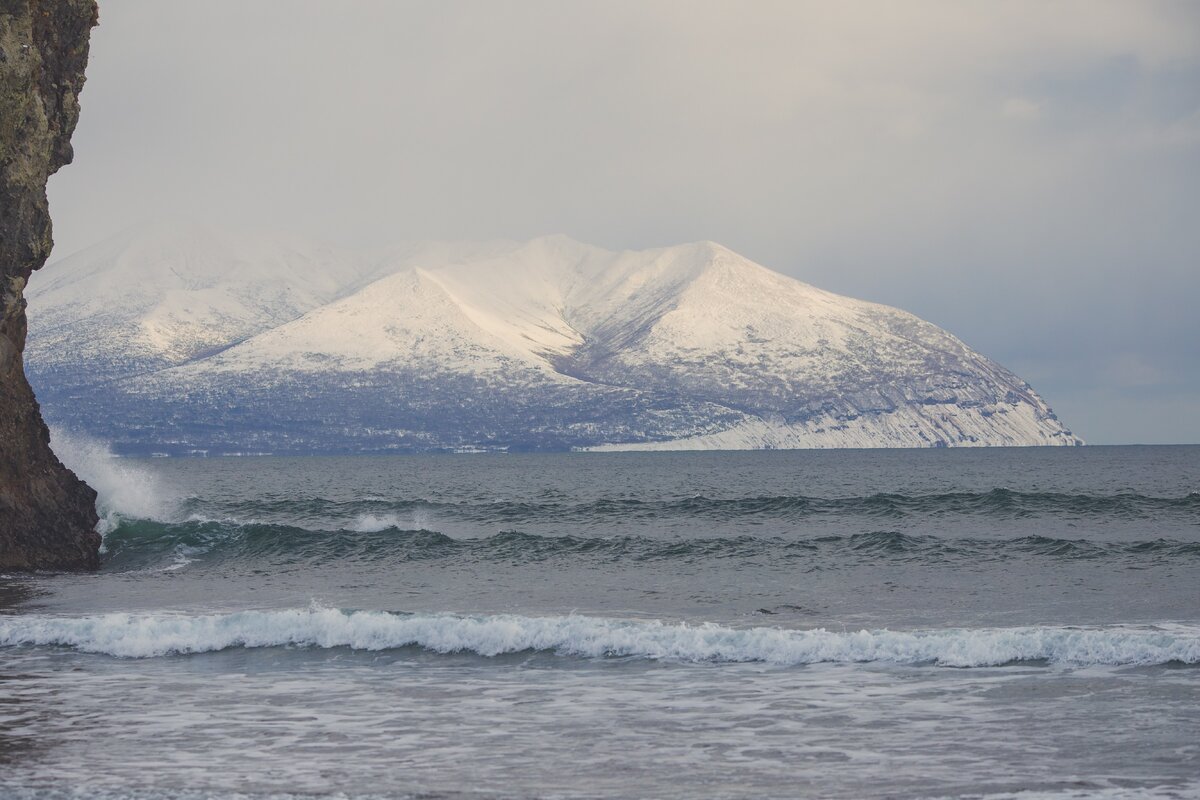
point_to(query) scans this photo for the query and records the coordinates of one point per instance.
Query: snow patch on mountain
(911, 426)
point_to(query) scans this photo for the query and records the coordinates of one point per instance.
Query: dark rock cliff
(47, 515)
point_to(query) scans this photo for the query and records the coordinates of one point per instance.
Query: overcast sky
(1025, 174)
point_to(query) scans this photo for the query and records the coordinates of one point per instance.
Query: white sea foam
(148, 635)
(123, 489)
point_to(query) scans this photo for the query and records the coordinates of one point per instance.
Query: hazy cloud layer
(1025, 174)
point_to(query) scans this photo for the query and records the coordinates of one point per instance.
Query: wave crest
(151, 635)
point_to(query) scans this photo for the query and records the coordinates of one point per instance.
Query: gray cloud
(1025, 174)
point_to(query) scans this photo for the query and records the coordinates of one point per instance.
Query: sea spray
(125, 490)
(374, 523)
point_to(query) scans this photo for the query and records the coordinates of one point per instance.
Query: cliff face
(47, 515)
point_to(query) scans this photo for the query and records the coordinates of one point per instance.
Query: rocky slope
(47, 515)
(224, 344)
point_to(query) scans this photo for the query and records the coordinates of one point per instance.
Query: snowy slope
(202, 338)
(738, 330)
(165, 296)
(168, 295)
(405, 320)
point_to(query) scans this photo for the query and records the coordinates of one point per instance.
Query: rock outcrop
(47, 514)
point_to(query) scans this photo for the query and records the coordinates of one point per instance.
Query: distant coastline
(179, 340)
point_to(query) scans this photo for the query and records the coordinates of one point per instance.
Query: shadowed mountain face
(180, 340)
(47, 515)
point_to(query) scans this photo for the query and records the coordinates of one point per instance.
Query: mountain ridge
(545, 344)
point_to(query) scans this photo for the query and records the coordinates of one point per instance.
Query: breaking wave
(124, 489)
(151, 635)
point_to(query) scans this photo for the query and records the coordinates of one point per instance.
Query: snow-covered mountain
(181, 340)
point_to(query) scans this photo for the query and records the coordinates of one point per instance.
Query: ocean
(847, 624)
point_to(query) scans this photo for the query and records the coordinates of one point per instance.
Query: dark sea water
(938, 623)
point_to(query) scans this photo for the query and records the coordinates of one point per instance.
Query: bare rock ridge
(47, 514)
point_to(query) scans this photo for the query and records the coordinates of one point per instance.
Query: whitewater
(1011, 623)
(145, 636)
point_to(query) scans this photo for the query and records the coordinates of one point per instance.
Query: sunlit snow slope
(183, 340)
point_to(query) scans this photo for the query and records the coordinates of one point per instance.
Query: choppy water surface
(834, 624)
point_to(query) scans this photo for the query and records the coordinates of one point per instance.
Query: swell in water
(997, 503)
(151, 635)
(146, 524)
(140, 544)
